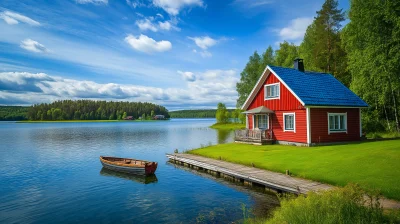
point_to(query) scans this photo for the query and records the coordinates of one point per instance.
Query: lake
(50, 173)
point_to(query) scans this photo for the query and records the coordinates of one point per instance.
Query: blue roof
(318, 89)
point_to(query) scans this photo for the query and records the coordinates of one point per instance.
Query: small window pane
(272, 91)
(289, 122)
(337, 122)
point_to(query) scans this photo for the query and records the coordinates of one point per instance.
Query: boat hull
(148, 168)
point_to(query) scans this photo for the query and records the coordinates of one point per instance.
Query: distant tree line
(94, 110)
(13, 113)
(194, 113)
(364, 55)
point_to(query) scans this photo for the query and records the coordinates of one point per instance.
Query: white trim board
(308, 117)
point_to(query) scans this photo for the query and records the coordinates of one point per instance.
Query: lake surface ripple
(50, 173)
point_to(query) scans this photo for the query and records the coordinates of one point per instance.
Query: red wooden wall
(319, 125)
(287, 103)
(287, 100)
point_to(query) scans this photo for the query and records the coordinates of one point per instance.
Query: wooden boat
(143, 179)
(127, 165)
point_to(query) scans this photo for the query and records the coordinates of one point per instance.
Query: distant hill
(13, 113)
(194, 113)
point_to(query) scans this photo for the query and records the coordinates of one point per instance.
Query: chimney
(298, 64)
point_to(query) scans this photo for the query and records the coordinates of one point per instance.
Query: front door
(261, 121)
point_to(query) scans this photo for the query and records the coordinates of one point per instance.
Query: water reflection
(224, 136)
(264, 202)
(137, 178)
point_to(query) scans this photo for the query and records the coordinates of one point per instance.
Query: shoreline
(87, 121)
(336, 165)
(228, 126)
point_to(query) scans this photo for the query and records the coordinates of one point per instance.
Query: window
(289, 122)
(271, 91)
(337, 122)
(262, 121)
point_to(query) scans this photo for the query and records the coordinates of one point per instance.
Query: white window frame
(275, 97)
(294, 122)
(266, 115)
(345, 123)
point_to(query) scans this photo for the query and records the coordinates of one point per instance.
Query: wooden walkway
(249, 175)
(272, 180)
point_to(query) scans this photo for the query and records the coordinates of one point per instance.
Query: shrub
(339, 206)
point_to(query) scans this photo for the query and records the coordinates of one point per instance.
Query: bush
(343, 205)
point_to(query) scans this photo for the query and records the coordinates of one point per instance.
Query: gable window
(262, 121)
(289, 122)
(337, 122)
(271, 91)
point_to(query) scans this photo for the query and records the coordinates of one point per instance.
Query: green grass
(228, 126)
(342, 205)
(372, 165)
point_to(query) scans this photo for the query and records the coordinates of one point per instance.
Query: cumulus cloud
(34, 46)
(165, 25)
(97, 2)
(173, 7)
(295, 30)
(188, 76)
(204, 42)
(13, 18)
(146, 24)
(146, 44)
(204, 89)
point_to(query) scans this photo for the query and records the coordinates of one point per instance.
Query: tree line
(13, 113)
(224, 116)
(364, 55)
(94, 110)
(195, 113)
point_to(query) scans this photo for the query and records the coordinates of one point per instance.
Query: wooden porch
(257, 136)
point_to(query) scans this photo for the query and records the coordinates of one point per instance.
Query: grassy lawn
(228, 126)
(373, 165)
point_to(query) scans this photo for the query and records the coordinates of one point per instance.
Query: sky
(182, 54)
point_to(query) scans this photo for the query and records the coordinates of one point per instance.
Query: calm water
(50, 173)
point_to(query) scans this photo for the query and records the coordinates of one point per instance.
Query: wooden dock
(253, 176)
(249, 175)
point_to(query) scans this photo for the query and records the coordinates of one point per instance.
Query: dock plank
(252, 174)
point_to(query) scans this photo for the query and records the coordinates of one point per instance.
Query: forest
(93, 110)
(195, 113)
(13, 113)
(361, 48)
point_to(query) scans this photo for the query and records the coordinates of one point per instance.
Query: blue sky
(183, 54)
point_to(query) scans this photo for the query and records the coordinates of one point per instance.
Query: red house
(293, 106)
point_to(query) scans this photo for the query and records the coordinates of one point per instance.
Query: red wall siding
(286, 104)
(300, 125)
(287, 100)
(319, 125)
(250, 120)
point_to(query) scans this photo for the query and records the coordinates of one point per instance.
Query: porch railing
(253, 135)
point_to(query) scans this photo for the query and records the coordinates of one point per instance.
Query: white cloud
(296, 29)
(146, 44)
(97, 2)
(165, 25)
(253, 3)
(205, 54)
(135, 3)
(204, 42)
(34, 46)
(13, 18)
(188, 76)
(205, 89)
(160, 15)
(173, 7)
(146, 24)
